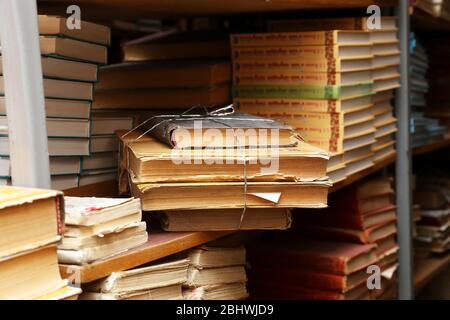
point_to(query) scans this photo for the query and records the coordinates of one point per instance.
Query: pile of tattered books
(221, 171)
(97, 228)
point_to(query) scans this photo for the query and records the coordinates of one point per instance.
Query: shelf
(432, 147)
(421, 20)
(112, 9)
(160, 244)
(101, 189)
(428, 267)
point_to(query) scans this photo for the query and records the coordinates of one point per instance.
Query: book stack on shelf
(156, 281)
(98, 228)
(223, 188)
(216, 273)
(432, 194)
(70, 60)
(424, 129)
(319, 82)
(31, 224)
(309, 270)
(437, 97)
(363, 213)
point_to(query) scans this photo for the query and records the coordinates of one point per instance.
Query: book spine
(286, 106)
(286, 78)
(293, 54)
(287, 92)
(283, 39)
(330, 65)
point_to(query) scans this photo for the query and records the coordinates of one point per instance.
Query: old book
(99, 160)
(89, 211)
(311, 279)
(88, 31)
(230, 130)
(319, 256)
(56, 146)
(226, 219)
(215, 257)
(102, 251)
(96, 176)
(60, 108)
(319, 56)
(181, 45)
(29, 219)
(173, 292)
(280, 107)
(91, 242)
(108, 125)
(149, 160)
(30, 274)
(369, 235)
(246, 66)
(230, 195)
(58, 166)
(306, 91)
(163, 99)
(63, 89)
(341, 37)
(142, 279)
(270, 77)
(332, 217)
(212, 276)
(164, 74)
(73, 49)
(226, 291)
(66, 69)
(61, 127)
(103, 143)
(287, 291)
(103, 228)
(350, 23)
(64, 182)
(64, 293)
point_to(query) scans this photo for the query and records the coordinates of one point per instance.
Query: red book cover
(319, 256)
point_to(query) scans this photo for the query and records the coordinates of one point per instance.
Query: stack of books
(222, 188)
(157, 281)
(31, 223)
(97, 228)
(70, 60)
(320, 82)
(309, 270)
(432, 195)
(216, 274)
(363, 213)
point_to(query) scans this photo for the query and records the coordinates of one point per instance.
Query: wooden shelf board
(114, 9)
(428, 267)
(160, 244)
(432, 147)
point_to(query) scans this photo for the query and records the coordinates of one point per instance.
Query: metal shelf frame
(27, 127)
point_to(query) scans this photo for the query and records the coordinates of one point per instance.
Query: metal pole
(403, 164)
(24, 93)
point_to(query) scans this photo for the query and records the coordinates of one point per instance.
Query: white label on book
(269, 196)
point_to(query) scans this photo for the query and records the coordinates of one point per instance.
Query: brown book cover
(161, 98)
(164, 74)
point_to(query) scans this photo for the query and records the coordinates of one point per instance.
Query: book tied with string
(249, 183)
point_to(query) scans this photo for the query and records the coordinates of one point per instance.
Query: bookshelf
(428, 267)
(160, 245)
(422, 20)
